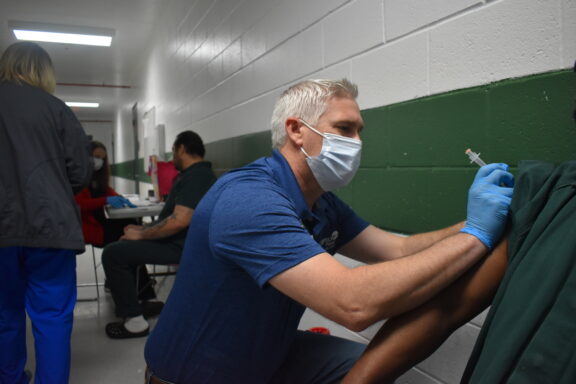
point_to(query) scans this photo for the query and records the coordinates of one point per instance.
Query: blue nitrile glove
(489, 200)
(119, 202)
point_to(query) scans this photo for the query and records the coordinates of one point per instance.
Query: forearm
(405, 340)
(416, 243)
(400, 285)
(358, 297)
(162, 229)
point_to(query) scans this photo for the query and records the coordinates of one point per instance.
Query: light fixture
(82, 104)
(66, 34)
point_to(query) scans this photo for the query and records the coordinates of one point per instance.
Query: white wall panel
(123, 136)
(122, 185)
(251, 117)
(393, 72)
(253, 45)
(352, 29)
(338, 71)
(568, 32)
(248, 14)
(312, 11)
(404, 16)
(232, 58)
(283, 22)
(101, 132)
(504, 39)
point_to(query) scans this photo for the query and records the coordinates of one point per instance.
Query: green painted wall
(414, 175)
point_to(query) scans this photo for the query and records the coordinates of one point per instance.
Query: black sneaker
(117, 330)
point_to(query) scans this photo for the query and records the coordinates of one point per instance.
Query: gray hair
(306, 100)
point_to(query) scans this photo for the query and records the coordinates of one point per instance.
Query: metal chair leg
(96, 282)
(96, 274)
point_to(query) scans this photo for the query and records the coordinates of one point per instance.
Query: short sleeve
(255, 226)
(194, 187)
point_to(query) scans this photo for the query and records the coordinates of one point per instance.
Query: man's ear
(294, 131)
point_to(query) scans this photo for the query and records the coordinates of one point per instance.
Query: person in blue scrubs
(260, 250)
(45, 159)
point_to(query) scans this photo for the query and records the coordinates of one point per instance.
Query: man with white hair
(259, 251)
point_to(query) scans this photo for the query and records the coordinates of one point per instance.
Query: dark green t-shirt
(188, 189)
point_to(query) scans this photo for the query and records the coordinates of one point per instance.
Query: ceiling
(105, 74)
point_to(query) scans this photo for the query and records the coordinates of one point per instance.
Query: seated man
(259, 251)
(530, 281)
(158, 243)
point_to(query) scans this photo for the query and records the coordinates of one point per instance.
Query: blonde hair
(28, 62)
(307, 100)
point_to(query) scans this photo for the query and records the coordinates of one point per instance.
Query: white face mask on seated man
(337, 162)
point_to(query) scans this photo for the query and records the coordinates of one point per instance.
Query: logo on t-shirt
(329, 243)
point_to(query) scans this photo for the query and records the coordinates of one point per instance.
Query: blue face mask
(337, 162)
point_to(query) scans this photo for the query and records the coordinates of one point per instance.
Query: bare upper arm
(374, 245)
(474, 291)
(313, 283)
(182, 215)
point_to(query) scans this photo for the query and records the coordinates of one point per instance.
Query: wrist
(479, 234)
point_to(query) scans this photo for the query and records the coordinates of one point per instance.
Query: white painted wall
(102, 132)
(217, 66)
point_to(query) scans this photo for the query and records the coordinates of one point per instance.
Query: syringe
(475, 157)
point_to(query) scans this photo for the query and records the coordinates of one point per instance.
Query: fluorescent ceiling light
(66, 34)
(66, 38)
(82, 105)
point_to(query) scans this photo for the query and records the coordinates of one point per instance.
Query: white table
(153, 209)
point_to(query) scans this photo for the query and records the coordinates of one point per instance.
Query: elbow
(357, 317)
(182, 226)
(358, 325)
(358, 321)
(359, 314)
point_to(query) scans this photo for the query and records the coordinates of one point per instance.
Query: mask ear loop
(313, 130)
(304, 152)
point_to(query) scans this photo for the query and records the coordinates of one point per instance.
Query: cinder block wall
(435, 78)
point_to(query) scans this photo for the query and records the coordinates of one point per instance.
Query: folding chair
(96, 283)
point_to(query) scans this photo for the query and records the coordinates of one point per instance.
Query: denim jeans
(319, 359)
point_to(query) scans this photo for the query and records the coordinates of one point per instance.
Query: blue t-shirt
(223, 322)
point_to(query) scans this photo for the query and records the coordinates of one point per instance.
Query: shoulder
(202, 170)
(253, 177)
(197, 178)
(251, 188)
